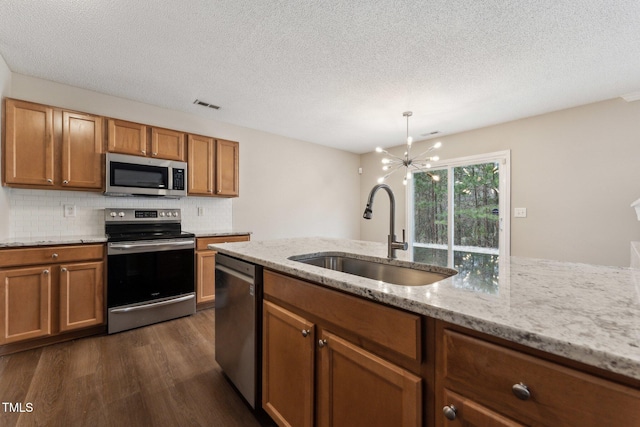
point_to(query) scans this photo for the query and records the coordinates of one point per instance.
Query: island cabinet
(206, 265)
(213, 166)
(52, 148)
(481, 381)
(48, 292)
(332, 359)
(141, 140)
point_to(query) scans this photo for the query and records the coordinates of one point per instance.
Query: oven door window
(140, 277)
(138, 176)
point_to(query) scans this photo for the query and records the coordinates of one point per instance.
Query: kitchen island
(573, 312)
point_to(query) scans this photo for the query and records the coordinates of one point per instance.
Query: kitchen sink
(390, 271)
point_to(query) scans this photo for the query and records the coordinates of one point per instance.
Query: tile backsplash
(39, 213)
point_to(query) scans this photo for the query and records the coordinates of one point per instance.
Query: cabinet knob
(65, 182)
(54, 255)
(49, 180)
(154, 154)
(45, 272)
(63, 270)
(450, 412)
(305, 332)
(322, 343)
(521, 391)
(143, 151)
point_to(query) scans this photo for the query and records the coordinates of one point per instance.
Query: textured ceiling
(334, 72)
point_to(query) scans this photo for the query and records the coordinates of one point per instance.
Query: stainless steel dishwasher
(238, 314)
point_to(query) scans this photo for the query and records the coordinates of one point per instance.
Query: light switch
(520, 212)
(200, 211)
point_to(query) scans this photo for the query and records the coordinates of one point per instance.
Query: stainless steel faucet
(392, 244)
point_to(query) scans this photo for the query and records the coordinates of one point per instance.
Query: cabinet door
(26, 303)
(81, 295)
(359, 388)
(287, 367)
(167, 144)
(205, 273)
(201, 162)
(82, 165)
(227, 168)
(127, 138)
(462, 412)
(28, 150)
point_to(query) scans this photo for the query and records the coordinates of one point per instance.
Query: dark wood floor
(159, 375)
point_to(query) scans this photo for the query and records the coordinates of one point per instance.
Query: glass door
(461, 221)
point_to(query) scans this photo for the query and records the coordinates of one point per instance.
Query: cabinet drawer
(49, 254)
(394, 329)
(559, 396)
(203, 242)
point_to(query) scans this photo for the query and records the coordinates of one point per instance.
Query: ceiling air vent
(206, 104)
(435, 132)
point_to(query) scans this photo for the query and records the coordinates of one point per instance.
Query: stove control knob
(175, 214)
(113, 214)
(121, 214)
(162, 214)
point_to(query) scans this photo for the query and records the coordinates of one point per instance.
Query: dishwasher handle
(235, 273)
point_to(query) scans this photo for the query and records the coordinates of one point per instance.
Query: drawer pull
(322, 343)
(63, 270)
(45, 272)
(305, 332)
(450, 412)
(54, 256)
(521, 391)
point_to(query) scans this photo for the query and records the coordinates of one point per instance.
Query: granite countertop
(583, 312)
(18, 242)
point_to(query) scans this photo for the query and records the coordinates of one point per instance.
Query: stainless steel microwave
(144, 176)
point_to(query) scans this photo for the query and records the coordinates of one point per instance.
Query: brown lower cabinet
(484, 383)
(334, 359)
(50, 291)
(314, 375)
(205, 268)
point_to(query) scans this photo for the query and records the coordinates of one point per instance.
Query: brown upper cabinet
(213, 166)
(132, 138)
(47, 147)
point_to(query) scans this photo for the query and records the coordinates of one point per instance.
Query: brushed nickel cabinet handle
(63, 270)
(65, 182)
(322, 343)
(45, 272)
(521, 391)
(305, 332)
(54, 255)
(450, 412)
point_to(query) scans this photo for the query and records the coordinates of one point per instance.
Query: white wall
(576, 171)
(287, 187)
(5, 90)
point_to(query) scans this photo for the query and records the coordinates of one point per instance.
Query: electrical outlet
(69, 211)
(520, 212)
(200, 211)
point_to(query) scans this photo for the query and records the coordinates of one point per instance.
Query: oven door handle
(151, 245)
(154, 304)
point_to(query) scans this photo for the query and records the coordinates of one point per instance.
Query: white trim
(630, 97)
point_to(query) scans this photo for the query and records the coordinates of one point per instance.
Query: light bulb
(385, 161)
(437, 144)
(378, 149)
(435, 177)
(409, 140)
(435, 158)
(385, 168)
(427, 165)
(408, 175)
(404, 181)
(380, 180)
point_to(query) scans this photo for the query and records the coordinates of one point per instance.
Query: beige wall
(576, 171)
(5, 87)
(287, 187)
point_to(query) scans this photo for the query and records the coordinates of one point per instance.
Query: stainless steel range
(150, 267)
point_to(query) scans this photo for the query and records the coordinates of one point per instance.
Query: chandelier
(421, 163)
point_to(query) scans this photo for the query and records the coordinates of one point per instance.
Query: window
(462, 220)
